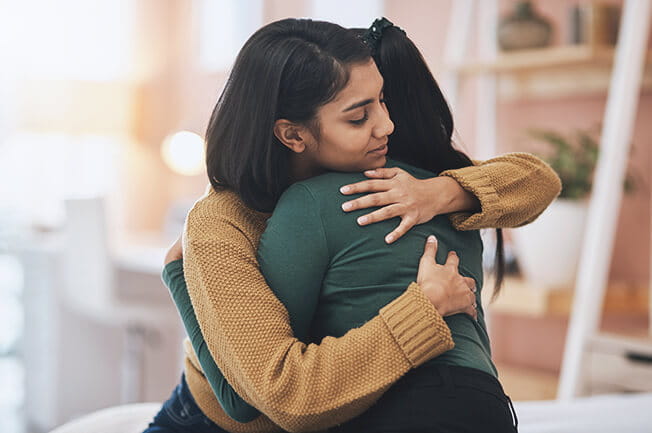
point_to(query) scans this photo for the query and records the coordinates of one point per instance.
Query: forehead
(364, 82)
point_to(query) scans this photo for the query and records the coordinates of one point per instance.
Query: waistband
(444, 374)
(452, 376)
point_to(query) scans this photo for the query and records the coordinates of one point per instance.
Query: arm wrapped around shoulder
(513, 190)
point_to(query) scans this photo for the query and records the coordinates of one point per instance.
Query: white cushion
(626, 413)
(132, 418)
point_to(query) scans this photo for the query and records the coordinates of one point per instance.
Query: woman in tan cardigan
(246, 329)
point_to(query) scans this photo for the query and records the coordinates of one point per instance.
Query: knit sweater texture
(309, 387)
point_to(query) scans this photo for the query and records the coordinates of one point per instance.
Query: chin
(378, 163)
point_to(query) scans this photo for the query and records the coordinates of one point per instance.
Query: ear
(291, 135)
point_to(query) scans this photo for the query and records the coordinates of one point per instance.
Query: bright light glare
(183, 152)
(68, 39)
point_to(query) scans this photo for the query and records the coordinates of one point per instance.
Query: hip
(439, 398)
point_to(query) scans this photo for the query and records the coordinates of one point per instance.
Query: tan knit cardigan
(303, 387)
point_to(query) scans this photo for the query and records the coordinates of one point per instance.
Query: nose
(384, 125)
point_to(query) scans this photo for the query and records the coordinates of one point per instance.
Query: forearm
(456, 198)
(513, 190)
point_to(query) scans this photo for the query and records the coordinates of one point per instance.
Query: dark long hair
(423, 122)
(286, 70)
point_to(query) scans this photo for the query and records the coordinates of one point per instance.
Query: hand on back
(399, 194)
(449, 292)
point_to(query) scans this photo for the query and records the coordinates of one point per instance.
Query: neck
(302, 169)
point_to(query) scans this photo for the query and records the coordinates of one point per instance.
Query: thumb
(430, 250)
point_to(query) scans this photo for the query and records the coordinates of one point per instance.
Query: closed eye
(361, 120)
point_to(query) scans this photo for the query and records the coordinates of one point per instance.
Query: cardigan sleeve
(247, 331)
(513, 190)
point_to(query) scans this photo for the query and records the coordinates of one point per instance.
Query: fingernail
(432, 238)
(474, 289)
(362, 220)
(370, 172)
(453, 253)
(347, 206)
(389, 239)
(344, 189)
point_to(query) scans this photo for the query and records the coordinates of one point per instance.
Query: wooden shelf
(541, 58)
(517, 297)
(551, 72)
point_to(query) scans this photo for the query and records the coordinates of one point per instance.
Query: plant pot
(523, 29)
(548, 250)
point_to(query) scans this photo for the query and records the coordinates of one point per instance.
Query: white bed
(612, 413)
(621, 413)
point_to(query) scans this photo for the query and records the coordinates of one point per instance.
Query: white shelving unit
(626, 73)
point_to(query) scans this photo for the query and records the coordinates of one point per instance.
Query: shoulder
(417, 172)
(220, 211)
(330, 183)
(324, 188)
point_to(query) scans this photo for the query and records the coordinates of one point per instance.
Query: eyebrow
(358, 105)
(363, 103)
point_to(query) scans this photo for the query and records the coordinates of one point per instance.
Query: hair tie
(374, 34)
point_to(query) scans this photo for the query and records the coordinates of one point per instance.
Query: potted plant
(548, 250)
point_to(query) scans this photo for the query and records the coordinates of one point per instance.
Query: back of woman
(334, 275)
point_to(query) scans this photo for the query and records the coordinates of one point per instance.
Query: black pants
(442, 399)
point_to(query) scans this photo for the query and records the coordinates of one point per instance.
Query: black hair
(286, 70)
(423, 122)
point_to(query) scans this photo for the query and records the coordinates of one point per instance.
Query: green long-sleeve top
(333, 275)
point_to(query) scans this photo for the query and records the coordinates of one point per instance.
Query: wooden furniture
(553, 72)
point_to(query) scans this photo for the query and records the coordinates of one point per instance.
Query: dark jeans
(181, 414)
(442, 399)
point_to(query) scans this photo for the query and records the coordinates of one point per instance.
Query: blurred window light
(38, 171)
(347, 13)
(69, 39)
(12, 377)
(11, 311)
(11, 275)
(224, 26)
(183, 152)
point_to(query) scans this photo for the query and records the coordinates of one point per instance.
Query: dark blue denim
(180, 414)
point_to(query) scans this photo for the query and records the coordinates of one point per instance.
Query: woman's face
(354, 127)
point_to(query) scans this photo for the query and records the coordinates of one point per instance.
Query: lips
(382, 150)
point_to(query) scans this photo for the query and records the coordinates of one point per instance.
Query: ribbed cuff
(476, 182)
(417, 326)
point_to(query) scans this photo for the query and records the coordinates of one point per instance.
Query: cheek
(354, 140)
(340, 142)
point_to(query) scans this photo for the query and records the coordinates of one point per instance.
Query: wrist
(430, 292)
(455, 197)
